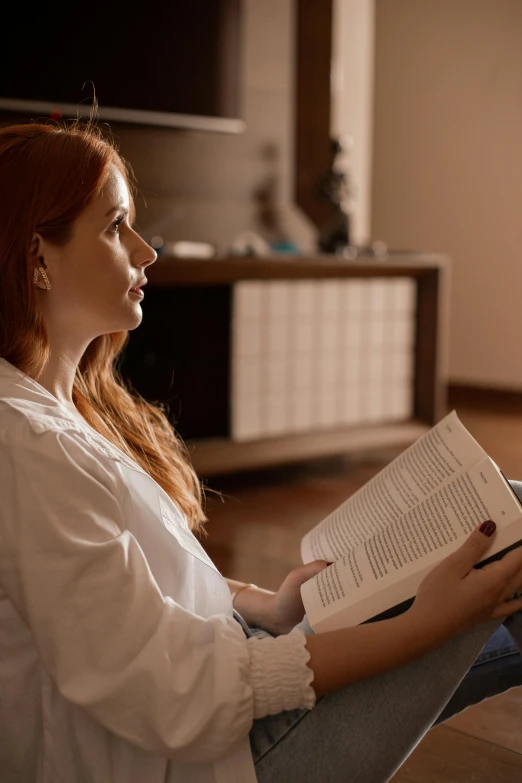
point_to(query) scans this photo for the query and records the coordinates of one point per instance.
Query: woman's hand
(285, 608)
(455, 596)
(452, 598)
(277, 612)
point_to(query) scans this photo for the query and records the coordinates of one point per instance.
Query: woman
(121, 660)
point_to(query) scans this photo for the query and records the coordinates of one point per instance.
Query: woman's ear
(35, 248)
(38, 264)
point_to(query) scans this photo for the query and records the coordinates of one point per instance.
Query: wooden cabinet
(185, 354)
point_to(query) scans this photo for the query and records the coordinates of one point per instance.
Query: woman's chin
(136, 321)
(132, 318)
(129, 317)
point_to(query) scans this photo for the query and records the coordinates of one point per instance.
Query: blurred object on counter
(248, 243)
(267, 197)
(158, 243)
(336, 186)
(185, 249)
(375, 249)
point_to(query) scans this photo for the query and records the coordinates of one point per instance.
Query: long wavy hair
(49, 173)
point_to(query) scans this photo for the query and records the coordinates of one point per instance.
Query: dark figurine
(336, 187)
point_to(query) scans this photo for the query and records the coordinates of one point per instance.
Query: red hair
(48, 175)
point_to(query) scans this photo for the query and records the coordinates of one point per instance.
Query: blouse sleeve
(144, 667)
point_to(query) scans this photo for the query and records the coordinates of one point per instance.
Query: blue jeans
(364, 732)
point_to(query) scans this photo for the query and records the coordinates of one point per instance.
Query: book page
(446, 451)
(385, 565)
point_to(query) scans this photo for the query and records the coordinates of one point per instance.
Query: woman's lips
(137, 288)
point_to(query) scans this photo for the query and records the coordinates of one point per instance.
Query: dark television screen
(169, 63)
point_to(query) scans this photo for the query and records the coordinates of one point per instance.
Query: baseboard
(484, 397)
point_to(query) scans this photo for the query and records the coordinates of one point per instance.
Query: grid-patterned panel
(310, 355)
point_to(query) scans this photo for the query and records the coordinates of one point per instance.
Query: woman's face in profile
(93, 274)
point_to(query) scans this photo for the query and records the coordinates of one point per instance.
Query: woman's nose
(147, 253)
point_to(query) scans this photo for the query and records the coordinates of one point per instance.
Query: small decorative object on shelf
(375, 249)
(336, 186)
(269, 218)
(158, 243)
(185, 249)
(249, 243)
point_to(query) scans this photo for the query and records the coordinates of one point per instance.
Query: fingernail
(488, 528)
(327, 563)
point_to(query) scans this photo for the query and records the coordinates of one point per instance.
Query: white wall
(352, 98)
(448, 164)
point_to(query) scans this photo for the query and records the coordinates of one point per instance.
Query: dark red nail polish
(488, 528)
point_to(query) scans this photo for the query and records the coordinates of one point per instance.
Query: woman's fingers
(506, 608)
(509, 592)
(470, 552)
(510, 564)
(507, 573)
(513, 585)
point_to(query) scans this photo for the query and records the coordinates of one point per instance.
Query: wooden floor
(254, 532)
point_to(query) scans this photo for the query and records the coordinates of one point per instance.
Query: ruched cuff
(279, 675)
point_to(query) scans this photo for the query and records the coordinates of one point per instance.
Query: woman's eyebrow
(117, 208)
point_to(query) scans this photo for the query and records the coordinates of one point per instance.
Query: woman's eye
(115, 227)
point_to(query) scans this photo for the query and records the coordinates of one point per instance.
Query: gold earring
(40, 270)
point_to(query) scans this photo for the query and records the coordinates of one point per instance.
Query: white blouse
(120, 660)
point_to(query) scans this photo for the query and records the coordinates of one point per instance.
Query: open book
(385, 538)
